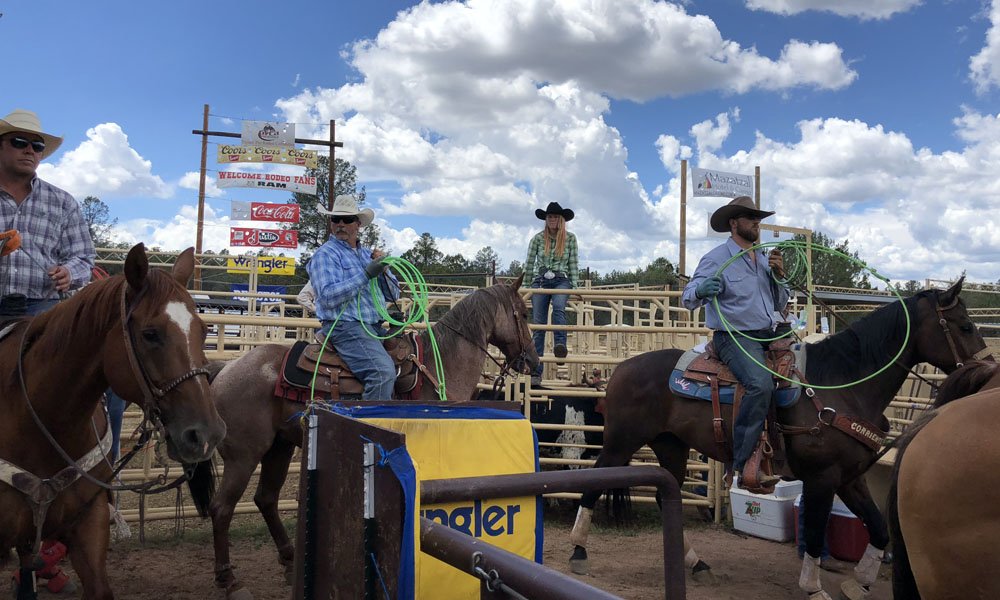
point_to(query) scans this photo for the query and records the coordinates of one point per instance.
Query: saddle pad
(687, 388)
(293, 374)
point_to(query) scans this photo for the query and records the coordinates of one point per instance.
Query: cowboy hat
(26, 121)
(346, 205)
(554, 209)
(742, 205)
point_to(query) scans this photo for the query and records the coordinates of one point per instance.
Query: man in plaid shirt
(56, 250)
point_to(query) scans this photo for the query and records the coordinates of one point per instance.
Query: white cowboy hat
(346, 205)
(27, 122)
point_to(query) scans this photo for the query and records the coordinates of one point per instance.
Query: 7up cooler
(768, 516)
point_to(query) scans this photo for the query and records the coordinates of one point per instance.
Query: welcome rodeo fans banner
(226, 153)
(263, 211)
(273, 181)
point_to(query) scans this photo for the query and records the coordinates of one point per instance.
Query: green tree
(313, 227)
(830, 269)
(424, 252)
(485, 260)
(99, 221)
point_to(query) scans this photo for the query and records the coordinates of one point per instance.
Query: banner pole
(683, 252)
(201, 202)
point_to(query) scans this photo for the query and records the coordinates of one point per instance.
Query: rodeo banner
(268, 181)
(268, 133)
(266, 265)
(269, 238)
(705, 182)
(263, 211)
(226, 153)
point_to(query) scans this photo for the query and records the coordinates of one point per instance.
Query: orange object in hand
(10, 241)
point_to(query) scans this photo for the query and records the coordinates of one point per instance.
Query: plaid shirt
(53, 233)
(539, 261)
(336, 273)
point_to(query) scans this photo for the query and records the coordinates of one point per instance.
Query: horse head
(945, 335)
(157, 358)
(511, 334)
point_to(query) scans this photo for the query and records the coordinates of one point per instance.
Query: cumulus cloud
(985, 72)
(709, 136)
(192, 181)
(105, 165)
(862, 9)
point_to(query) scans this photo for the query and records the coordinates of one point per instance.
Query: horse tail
(904, 585)
(202, 485)
(965, 381)
(620, 506)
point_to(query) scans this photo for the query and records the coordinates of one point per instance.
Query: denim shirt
(337, 274)
(749, 298)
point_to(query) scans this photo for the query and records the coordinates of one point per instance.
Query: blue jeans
(365, 356)
(116, 410)
(758, 384)
(30, 308)
(540, 312)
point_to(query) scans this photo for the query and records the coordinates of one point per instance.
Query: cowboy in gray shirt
(748, 298)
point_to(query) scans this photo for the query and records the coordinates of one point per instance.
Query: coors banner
(263, 211)
(226, 153)
(270, 238)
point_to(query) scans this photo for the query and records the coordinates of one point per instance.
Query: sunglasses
(347, 220)
(20, 143)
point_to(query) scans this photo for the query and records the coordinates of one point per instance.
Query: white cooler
(768, 516)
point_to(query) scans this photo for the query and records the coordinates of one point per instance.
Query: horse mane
(89, 311)
(966, 380)
(867, 345)
(471, 316)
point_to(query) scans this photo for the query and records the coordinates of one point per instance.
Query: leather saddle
(334, 379)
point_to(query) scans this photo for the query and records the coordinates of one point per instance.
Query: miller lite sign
(268, 238)
(263, 211)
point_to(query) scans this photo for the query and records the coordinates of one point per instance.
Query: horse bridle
(943, 322)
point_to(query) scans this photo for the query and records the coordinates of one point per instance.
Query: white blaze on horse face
(182, 317)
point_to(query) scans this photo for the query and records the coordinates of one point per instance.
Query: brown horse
(138, 333)
(264, 430)
(640, 409)
(947, 463)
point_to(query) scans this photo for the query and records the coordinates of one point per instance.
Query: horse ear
(183, 267)
(949, 295)
(517, 282)
(136, 266)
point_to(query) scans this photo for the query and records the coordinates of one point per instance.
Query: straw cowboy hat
(346, 205)
(554, 209)
(26, 121)
(743, 205)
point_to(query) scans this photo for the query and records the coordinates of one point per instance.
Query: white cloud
(862, 9)
(105, 165)
(985, 72)
(708, 136)
(192, 181)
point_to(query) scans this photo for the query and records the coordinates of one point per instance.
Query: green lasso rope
(412, 277)
(798, 248)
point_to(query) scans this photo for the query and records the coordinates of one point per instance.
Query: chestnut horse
(266, 430)
(948, 462)
(640, 409)
(138, 333)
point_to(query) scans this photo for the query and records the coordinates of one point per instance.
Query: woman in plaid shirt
(552, 264)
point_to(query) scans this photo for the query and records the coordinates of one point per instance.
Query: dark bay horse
(140, 334)
(264, 430)
(640, 409)
(942, 523)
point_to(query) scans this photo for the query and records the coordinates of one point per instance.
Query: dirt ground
(626, 563)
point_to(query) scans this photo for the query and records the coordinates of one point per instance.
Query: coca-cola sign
(270, 238)
(262, 211)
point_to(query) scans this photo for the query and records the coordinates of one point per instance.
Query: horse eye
(150, 335)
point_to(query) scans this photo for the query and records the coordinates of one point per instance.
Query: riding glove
(709, 288)
(374, 269)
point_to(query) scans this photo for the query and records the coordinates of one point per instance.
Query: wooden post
(683, 251)
(756, 186)
(201, 201)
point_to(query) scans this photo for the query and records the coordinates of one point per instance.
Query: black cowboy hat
(742, 205)
(554, 209)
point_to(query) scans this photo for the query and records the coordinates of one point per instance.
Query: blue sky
(872, 121)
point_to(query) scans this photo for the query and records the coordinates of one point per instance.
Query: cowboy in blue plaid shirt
(56, 250)
(339, 273)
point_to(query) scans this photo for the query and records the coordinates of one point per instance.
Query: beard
(749, 233)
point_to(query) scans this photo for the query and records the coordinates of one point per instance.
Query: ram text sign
(706, 182)
(268, 133)
(226, 153)
(269, 181)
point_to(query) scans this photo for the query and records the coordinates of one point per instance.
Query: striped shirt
(53, 232)
(337, 273)
(539, 261)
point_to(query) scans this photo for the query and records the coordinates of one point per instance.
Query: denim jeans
(757, 382)
(365, 356)
(30, 307)
(116, 409)
(540, 312)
